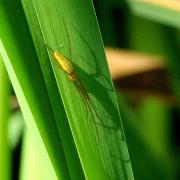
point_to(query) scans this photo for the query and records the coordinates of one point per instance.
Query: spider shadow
(96, 89)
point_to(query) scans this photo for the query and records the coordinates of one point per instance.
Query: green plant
(49, 101)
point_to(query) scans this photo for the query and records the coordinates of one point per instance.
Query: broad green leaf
(72, 24)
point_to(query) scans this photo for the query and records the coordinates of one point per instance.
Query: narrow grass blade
(5, 151)
(29, 117)
(34, 162)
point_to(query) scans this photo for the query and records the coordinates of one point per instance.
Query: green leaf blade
(108, 157)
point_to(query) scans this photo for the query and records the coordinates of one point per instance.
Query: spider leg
(83, 100)
(87, 97)
(87, 106)
(92, 105)
(68, 37)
